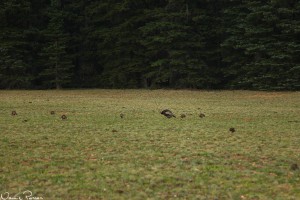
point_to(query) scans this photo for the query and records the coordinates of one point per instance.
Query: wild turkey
(13, 113)
(232, 130)
(201, 115)
(294, 167)
(167, 113)
(63, 117)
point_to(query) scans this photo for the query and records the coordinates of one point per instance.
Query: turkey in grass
(63, 117)
(167, 113)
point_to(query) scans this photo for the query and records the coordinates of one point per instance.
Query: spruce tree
(119, 50)
(57, 63)
(287, 49)
(208, 22)
(172, 46)
(150, 43)
(261, 45)
(14, 53)
(233, 51)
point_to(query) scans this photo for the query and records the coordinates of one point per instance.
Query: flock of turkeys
(167, 113)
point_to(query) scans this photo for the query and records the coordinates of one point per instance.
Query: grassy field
(95, 154)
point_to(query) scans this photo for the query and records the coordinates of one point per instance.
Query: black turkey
(294, 167)
(232, 130)
(63, 117)
(201, 115)
(167, 113)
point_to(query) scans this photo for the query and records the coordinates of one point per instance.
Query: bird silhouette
(294, 167)
(13, 113)
(52, 112)
(201, 115)
(232, 130)
(167, 113)
(63, 117)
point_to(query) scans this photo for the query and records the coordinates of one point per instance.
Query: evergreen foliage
(14, 51)
(206, 44)
(56, 71)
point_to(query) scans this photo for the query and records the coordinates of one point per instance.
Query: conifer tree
(119, 50)
(172, 46)
(150, 43)
(261, 43)
(14, 67)
(57, 63)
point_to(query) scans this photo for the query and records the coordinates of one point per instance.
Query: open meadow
(96, 154)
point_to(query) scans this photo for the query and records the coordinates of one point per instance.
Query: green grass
(150, 156)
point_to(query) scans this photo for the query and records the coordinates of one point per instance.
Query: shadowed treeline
(150, 44)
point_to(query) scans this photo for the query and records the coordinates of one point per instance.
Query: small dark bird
(114, 131)
(122, 115)
(25, 120)
(182, 116)
(201, 115)
(63, 117)
(232, 130)
(52, 112)
(167, 113)
(294, 167)
(13, 113)
(120, 191)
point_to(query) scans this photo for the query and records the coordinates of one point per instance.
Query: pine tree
(287, 49)
(82, 45)
(14, 54)
(208, 22)
(119, 50)
(233, 51)
(57, 63)
(150, 43)
(172, 46)
(261, 45)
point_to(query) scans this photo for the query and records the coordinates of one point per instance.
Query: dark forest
(203, 44)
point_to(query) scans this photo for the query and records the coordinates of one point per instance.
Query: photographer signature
(26, 195)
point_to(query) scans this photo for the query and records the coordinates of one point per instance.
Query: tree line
(204, 44)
